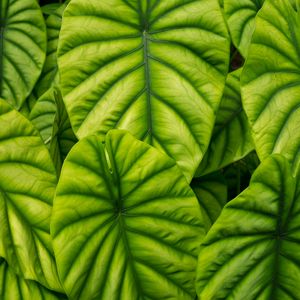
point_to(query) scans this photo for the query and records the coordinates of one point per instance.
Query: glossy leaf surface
(154, 68)
(49, 74)
(22, 48)
(240, 17)
(271, 81)
(27, 186)
(252, 252)
(126, 225)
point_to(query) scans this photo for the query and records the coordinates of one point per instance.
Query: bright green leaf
(126, 225)
(49, 74)
(27, 186)
(13, 287)
(42, 115)
(231, 139)
(240, 17)
(22, 48)
(271, 81)
(154, 68)
(252, 252)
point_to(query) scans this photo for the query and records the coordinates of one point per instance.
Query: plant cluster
(149, 149)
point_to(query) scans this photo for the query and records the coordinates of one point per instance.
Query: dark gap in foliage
(236, 59)
(238, 174)
(44, 2)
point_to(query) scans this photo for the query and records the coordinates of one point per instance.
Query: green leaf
(125, 222)
(253, 250)
(63, 137)
(231, 139)
(211, 192)
(50, 9)
(27, 186)
(49, 74)
(240, 17)
(49, 116)
(13, 287)
(28, 105)
(271, 81)
(154, 68)
(22, 49)
(42, 115)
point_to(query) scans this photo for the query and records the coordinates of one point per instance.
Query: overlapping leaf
(125, 224)
(13, 287)
(231, 139)
(240, 17)
(50, 72)
(50, 117)
(22, 48)
(271, 80)
(155, 68)
(211, 192)
(253, 250)
(27, 185)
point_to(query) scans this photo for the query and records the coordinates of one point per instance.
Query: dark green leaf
(231, 139)
(252, 252)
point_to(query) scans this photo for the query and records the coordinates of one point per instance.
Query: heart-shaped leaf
(271, 80)
(125, 222)
(22, 48)
(27, 186)
(253, 250)
(154, 68)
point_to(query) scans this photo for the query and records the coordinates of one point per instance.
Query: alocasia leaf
(62, 137)
(13, 287)
(252, 252)
(49, 116)
(240, 17)
(28, 105)
(27, 186)
(50, 72)
(271, 80)
(154, 68)
(211, 192)
(231, 139)
(22, 48)
(125, 224)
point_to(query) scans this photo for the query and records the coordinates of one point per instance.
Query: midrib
(144, 23)
(148, 86)
(3, 16)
